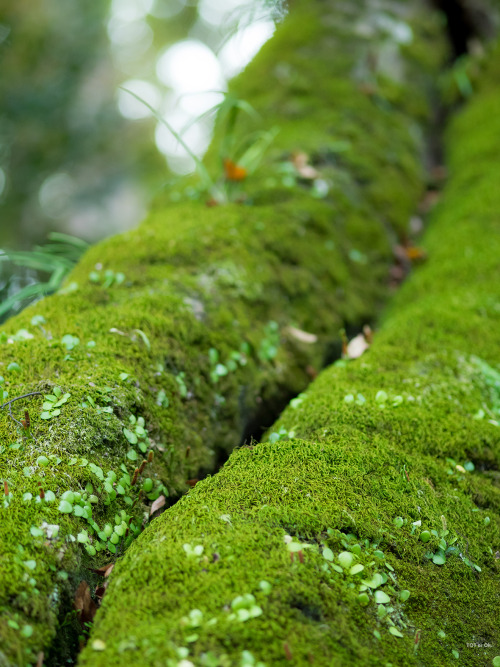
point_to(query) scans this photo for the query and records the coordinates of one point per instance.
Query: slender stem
(32, 393)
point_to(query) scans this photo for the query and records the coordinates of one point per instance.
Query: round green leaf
(27, 631)
(265, 587)
(439, 558)
(65, 507)
(345, 559)
(394, 631)
(327, 554)
(375, 581)
(381, 597)
(130, 435)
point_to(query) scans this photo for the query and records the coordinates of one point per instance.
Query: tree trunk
(222, 315)
(372, 536)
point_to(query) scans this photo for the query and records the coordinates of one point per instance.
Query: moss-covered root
(169, 340)
(373, 536)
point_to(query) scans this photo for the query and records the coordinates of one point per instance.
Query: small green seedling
(106, 278)
(269, 345)
(52, 403)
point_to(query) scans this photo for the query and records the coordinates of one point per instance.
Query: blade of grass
(200, 167)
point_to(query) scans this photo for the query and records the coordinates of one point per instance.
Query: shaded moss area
(372, 536)
(172, 341)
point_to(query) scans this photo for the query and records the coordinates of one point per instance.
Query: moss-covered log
(176, 339)
(372, 537)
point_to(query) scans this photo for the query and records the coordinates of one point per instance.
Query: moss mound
(170, 342)
(366, 530)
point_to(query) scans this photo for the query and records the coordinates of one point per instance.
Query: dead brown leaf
(302, 336)
(157, 505)
(104, 570)
(84, 605)
(311, 372)
(430, 200)
(301, 163)
(99, 592)
(357, 346)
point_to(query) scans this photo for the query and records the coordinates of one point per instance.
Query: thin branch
(12, 416)
(18, 398)
(33, 393)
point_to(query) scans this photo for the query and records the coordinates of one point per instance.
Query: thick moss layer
(393, 466)
(175, 338)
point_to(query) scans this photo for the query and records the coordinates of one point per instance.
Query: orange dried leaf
(415, 253)
(233, 171)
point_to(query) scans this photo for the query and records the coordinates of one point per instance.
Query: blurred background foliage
(80, 156)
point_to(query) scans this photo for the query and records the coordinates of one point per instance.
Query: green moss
(394, 460)
(197, 279)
